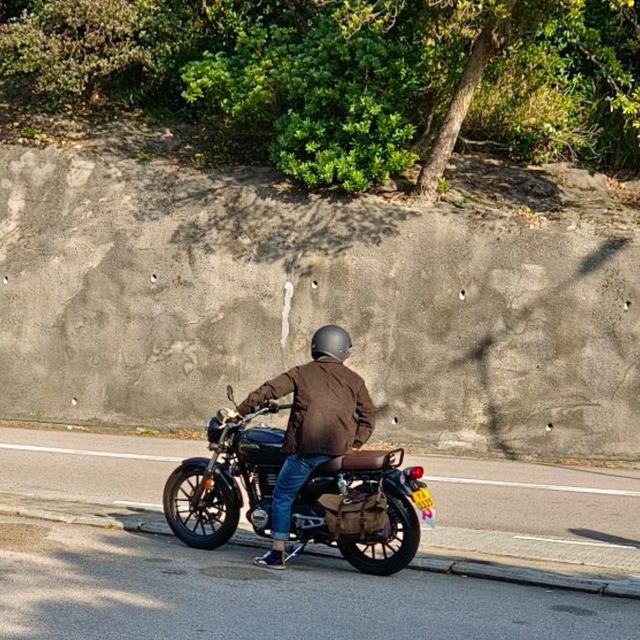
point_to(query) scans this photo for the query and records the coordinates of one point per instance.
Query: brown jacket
(332, 411)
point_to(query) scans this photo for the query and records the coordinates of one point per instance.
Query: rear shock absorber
(342, 485)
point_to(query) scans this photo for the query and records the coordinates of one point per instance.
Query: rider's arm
(366, 413)
(283, 385)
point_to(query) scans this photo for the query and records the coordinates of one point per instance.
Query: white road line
(444, 479)
(542, 487)
(578, 542)
(142, 505)
(85, 452)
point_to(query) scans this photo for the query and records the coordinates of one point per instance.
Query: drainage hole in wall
(549, 427)
(627, 305)
(462, 295)
(154, 278)
(394, 420)
(5, 280)
(74, 401)
(314, 284)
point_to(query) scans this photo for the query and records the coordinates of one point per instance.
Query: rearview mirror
(230, 393)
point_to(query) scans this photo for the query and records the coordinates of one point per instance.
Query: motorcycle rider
(332, 414)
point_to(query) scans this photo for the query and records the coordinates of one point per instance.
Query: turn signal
(414, 473)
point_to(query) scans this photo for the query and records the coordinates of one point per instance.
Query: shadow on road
(605, 537)
(82, 582)
(630, 474)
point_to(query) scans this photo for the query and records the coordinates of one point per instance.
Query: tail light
(414, 473)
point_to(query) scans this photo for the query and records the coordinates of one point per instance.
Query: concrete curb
(521, 575)
(623, 589)
(104, 522)
(626, 588)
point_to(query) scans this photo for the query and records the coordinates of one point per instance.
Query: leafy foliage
(340, 92)
(327, 127)
(71, 46)
(607, 37)
(533, 104)
(10, 9)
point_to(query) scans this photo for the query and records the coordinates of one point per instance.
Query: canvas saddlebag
(357, 517)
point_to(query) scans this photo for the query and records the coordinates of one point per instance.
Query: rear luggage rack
(394, 458)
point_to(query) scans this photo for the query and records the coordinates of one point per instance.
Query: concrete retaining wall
(131, 293)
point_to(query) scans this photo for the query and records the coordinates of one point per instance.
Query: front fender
(221, 474)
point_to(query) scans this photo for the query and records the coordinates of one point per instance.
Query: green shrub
(335, 92)
(335, 108)
(532, 103)
(70, 48)
(11, 9)
(76, 50)
(244, 88)
(29, 132)
(607, 35)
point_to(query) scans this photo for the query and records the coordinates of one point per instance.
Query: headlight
(214, 429)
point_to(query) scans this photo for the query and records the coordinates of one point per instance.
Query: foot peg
(297, 550)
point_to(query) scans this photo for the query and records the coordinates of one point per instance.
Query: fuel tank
(262, 445)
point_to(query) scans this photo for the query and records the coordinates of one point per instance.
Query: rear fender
(221, 474)
(395, 483)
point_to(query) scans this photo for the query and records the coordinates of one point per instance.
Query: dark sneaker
(271, 560)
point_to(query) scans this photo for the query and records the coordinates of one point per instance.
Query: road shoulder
(438, 558)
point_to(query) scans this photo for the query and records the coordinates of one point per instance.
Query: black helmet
(331, 341)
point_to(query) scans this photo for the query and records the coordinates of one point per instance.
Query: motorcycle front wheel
(205, 527)
(384, 558)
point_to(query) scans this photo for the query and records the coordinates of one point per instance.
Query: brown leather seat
(330, 466)
(357, 461)
(365, 460)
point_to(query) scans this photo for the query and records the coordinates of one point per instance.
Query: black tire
(395, 553)
(209, 527)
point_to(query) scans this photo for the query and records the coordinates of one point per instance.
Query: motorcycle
(202, 500)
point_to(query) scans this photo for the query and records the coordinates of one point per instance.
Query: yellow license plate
(423, 499)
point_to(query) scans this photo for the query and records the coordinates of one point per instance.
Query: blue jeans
(294, 473)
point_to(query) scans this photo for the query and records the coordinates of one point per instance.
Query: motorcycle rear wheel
(207, 527)
(387, 557)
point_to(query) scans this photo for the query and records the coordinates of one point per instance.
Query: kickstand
(297, 550)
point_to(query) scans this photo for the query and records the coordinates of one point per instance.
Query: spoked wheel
(386, 557)
(208, 526)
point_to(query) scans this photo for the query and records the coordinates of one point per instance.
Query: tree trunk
(484, 49)
(427, 136)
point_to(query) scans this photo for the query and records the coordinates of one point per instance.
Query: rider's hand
(233, 416)
(273, 406)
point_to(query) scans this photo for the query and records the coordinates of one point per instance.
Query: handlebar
(233, 424)
(268, 409)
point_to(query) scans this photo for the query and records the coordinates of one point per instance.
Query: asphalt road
(72, 582)
(584, 504)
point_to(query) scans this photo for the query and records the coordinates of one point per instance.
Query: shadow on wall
(260, 217)
(486, 181)
(262, 220)
(481, 352)
(263, 217)
(268, 226)
(490, 184)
